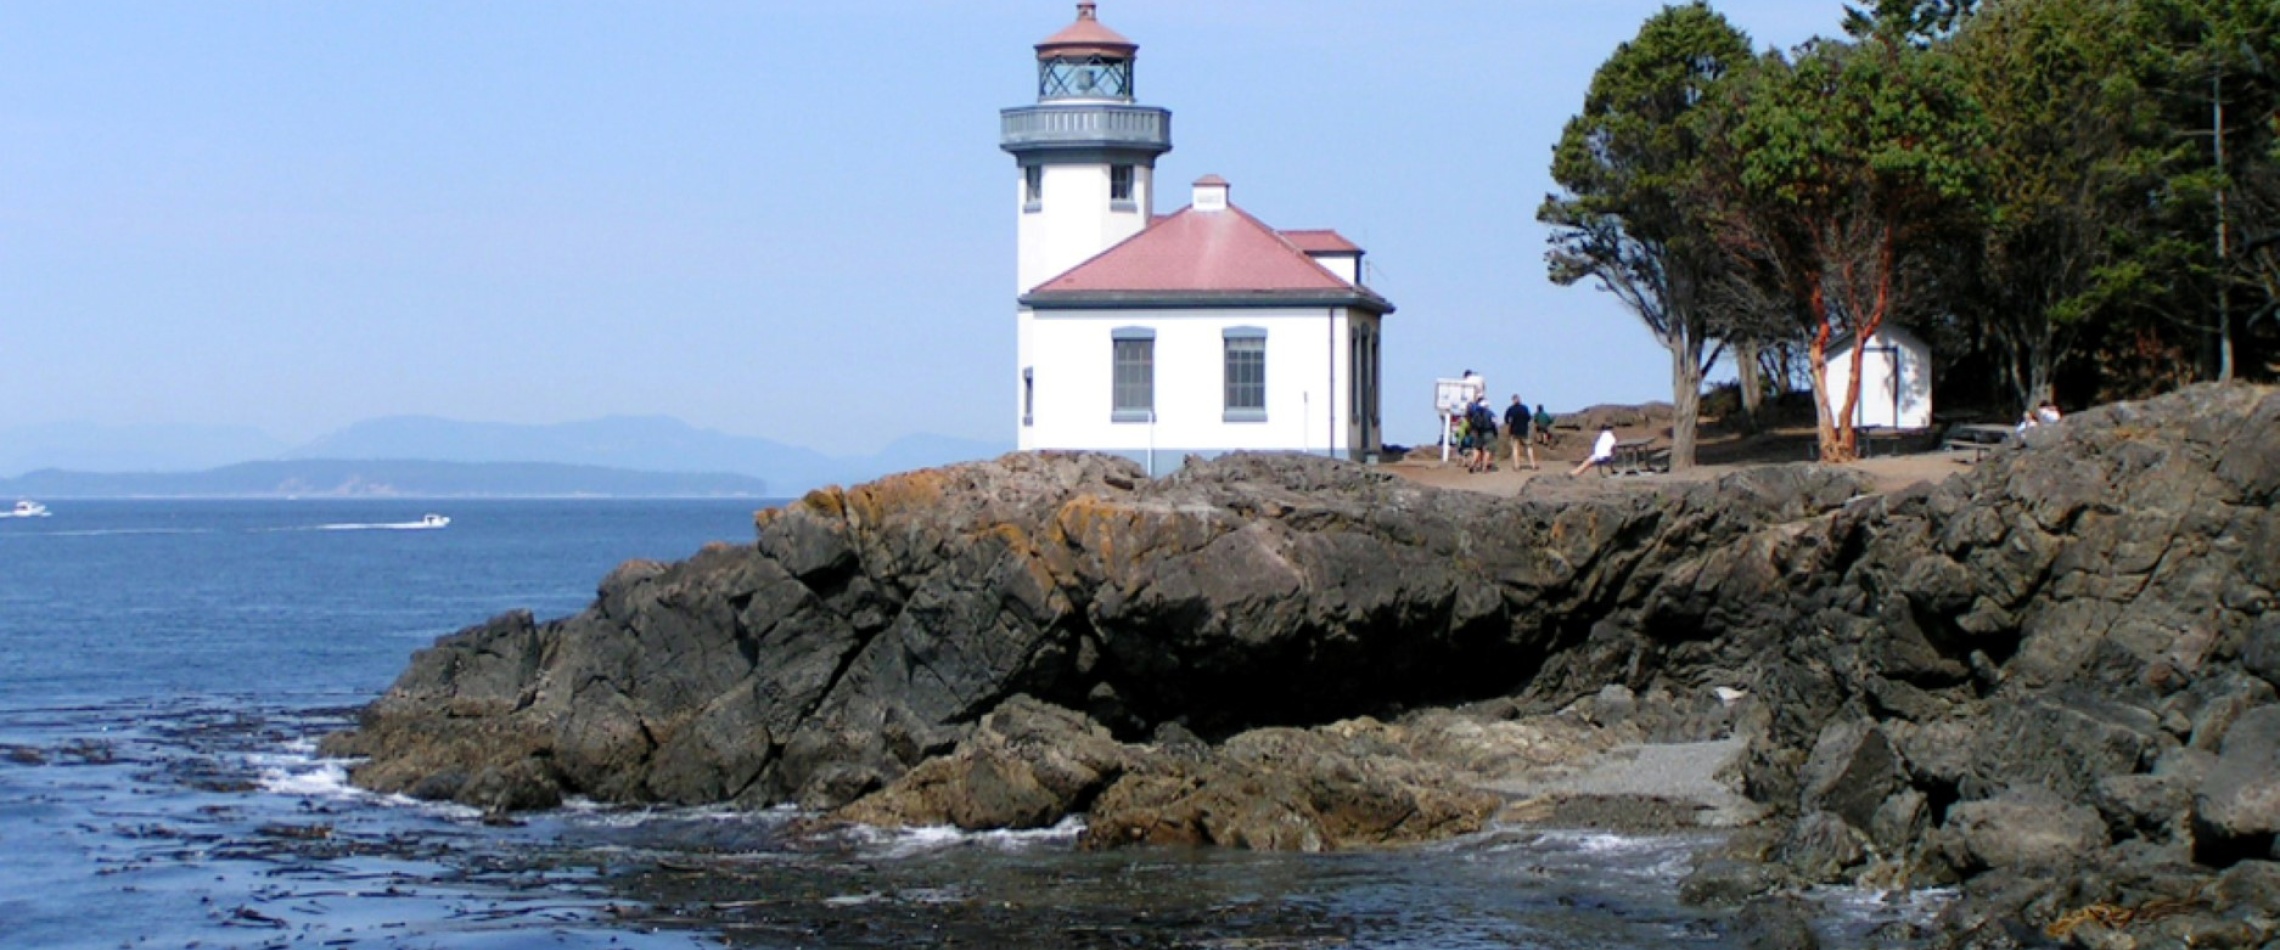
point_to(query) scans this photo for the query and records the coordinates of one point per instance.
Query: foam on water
(900, 843)
(324, 779)
(591, 813)
(296, 770)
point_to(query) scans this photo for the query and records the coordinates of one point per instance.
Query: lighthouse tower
(1086, 151)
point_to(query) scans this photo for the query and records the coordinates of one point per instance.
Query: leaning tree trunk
(1817, 371)
(1685, 399)
(1751, 383)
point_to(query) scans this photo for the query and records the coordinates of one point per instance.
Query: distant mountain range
(59, 460)
(383, 478)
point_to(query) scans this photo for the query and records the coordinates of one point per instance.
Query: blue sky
(777, 219)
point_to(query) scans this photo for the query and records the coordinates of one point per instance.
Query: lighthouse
(1198, 333)
(1086, 152)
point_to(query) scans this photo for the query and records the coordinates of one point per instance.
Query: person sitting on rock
(1602, 451)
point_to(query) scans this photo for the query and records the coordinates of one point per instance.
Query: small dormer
(1330, 249)
(1210, 193)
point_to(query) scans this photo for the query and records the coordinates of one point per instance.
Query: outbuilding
(1895, 380)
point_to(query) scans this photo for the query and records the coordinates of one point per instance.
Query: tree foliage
(1629, 163)
(1843, 174)
(2074, 150)
(2214, 66)
(2078, 198)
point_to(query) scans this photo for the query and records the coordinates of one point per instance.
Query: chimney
(1211, 193)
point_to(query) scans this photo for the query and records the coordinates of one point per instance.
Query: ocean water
(167, 666)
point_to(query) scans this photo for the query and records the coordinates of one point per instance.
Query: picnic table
(1867, 438)
(1631, 457)
(1977, 439)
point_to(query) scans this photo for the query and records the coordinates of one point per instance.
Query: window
(1028, 395)
(1120, 188)
(1094, 77)
(1246, 375)
(1032, 187)
(1357, 357)
(1133, 398)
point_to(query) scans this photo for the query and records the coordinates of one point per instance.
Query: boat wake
(426, 523)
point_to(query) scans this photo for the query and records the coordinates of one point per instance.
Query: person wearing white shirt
(1602, 450)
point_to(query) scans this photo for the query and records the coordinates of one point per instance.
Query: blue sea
(166, 668)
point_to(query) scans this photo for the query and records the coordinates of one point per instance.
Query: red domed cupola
(1086, 60)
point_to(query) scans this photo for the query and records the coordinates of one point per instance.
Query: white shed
(1895, 380)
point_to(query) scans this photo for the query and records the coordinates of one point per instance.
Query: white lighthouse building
(1200, 332)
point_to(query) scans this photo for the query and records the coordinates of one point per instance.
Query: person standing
(1516, 423)
(1484, 421)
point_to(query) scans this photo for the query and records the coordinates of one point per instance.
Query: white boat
(29, 509)
(433, 521)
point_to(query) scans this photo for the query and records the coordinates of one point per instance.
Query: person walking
(1516, 423)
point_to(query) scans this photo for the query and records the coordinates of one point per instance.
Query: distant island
(384, 478)
(644, 455)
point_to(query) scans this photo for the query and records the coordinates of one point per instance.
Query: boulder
(1029, 765)
(2023, 830)
(2240, 798)
(1778, 922)
(1850, 772)
(1340, 787)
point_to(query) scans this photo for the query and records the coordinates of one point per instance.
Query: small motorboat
(29, 509)
(433, 521)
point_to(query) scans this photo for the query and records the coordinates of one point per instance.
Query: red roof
(1323, 241)
(1086, 37)
(1206, 254)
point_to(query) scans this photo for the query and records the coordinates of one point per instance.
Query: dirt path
(1890, 473)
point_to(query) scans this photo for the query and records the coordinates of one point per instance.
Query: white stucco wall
(1070, 356)
(1075, 220)
(1346, 266)
(1895, 381)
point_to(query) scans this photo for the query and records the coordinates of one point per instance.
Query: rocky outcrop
(2046, 679)
(871, 629)
(2050, 679)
